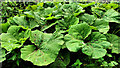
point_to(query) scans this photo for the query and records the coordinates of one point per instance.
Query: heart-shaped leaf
(46, 50)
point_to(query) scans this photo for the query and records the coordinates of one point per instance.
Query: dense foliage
(62, 34)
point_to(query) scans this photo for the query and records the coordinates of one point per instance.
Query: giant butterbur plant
(56, 34)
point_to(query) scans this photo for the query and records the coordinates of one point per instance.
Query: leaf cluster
(55, 34)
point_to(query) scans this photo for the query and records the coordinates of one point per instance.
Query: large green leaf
(36, 37)
(20, 21)
(114, 40)
(112, 16)
(80, 31)
(15, 31)
(9, 42)
(74, 45)
(40, 57)
(19, 33)
(94, 50)
(67, 22)
(104, 44)
(45, 13)
(14, 38)
(47, 51)
(102, 25)
(31, 23)
(42, 16)
(87, 18)
(96, 45)
(77, 33)
(97, 11)
(72, 9)
(96, 36)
